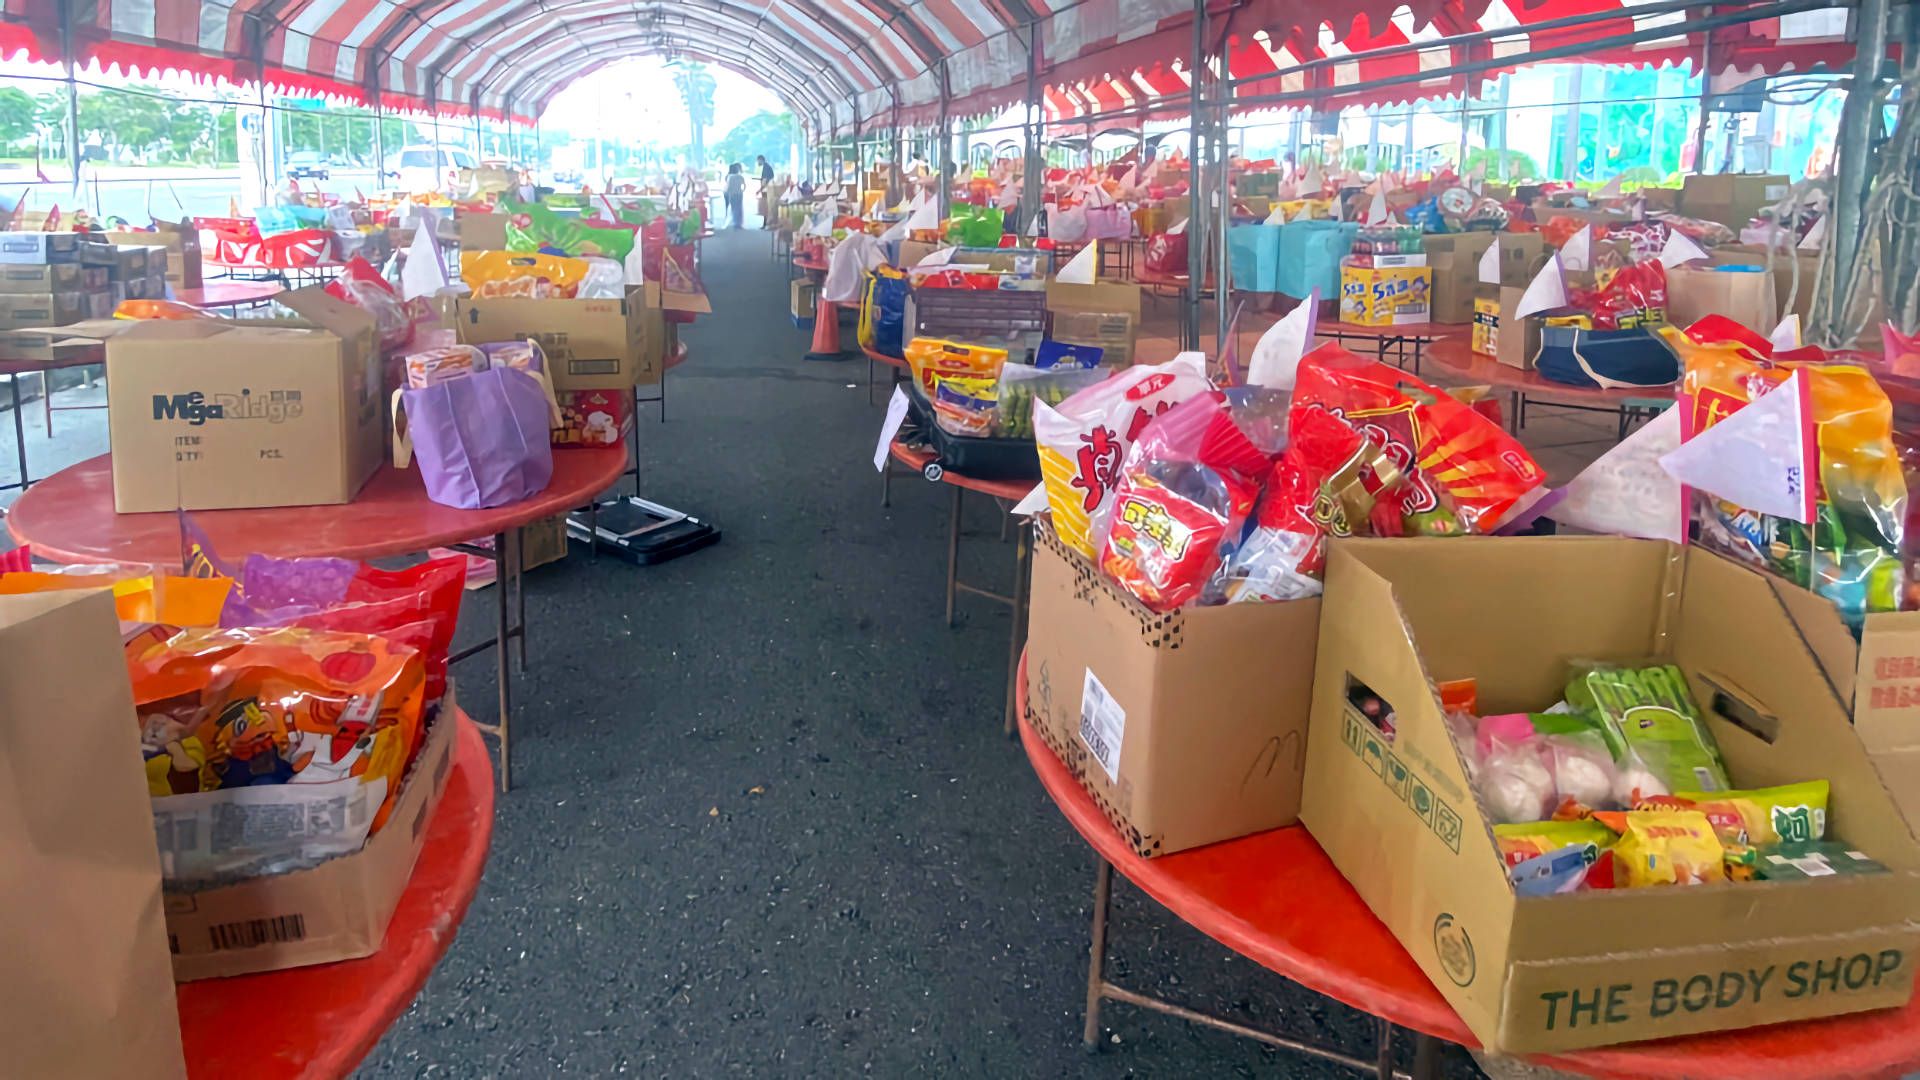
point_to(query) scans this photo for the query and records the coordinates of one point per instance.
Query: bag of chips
(964, 406)
(522, 275)
(1786, 814)
(1463, 474)
(535, 227)
(1851, 553)
(1083, 443)
(1665, 847)
(932, 358)
(1522, 841)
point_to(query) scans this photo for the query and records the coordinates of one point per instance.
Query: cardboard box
(337, 910)
(591, 344)
(18, 311)
(1512, 342)
(1745, 296)
(39, 247)
(1731, 199)
(543, 542)
(1399, 818)
(1105, 314)
(1186, 728)
(1455, 260)
(912, 251)
(208, 414)
(481, 232)
(95, 252)
(181, 264)
(100, 304)
(129, 262)
(594, 417)
(1386, 296)
(803, 298)
(43, 278)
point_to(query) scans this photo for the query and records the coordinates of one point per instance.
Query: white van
(412, 168)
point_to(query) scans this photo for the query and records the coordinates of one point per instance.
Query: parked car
(413, 168)
(308, 165)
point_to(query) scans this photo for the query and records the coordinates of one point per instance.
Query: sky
(636, 101)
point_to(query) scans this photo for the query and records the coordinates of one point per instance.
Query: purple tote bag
(482, 440)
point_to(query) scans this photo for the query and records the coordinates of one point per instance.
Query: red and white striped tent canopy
(878, 62)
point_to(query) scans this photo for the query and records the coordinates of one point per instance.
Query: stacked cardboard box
(53, 279)
(179, 264)
(1732, 200)
(1510, 341)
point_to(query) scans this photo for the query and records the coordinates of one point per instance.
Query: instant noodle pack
(1603, 790)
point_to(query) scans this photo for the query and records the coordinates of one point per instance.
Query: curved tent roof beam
(545, 72)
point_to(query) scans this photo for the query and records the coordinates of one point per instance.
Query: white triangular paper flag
(936, 257)
(1313, 182)
(1625, 492)
(1132, 179)
(1179, 227)
(1033, 502)
(1276, 356)
(1760, 458)
(1080, 269)
(1786, 335)
(1278, 216)
(924, 216)
(424, 274)
(1816, 237)
(1033, 225)
(1547, 291)
(896, 231)
(1610, 189)
(1490, 264)
(1377, 211)
(1679, 250)
(1577, 252)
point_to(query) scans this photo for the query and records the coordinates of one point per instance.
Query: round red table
(875, 356)
(1407, 341)
(320, 1021)
(69, 517)
(229, 293)
(1005, 494)
(1275, 898)
(1457, 359)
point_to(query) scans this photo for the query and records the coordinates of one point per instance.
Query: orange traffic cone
(826, 331)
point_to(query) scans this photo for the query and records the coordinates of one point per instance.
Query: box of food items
(1627, 805)
(599, 332)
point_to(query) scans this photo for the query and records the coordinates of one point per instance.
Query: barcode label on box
(1103, 725)
(252, 933)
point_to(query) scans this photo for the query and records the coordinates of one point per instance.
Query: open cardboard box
(1186, 728)
(1400, 820)
(591, 344)
(337, 910)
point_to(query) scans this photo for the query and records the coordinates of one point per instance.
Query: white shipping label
(1103, 724)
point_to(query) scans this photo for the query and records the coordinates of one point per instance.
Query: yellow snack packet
(1666, 847)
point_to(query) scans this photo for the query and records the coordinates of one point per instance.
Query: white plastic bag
(847, 268)
(605, 280)
(1068, 226)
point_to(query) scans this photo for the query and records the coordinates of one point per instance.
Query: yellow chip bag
(932, 358)
(1665, 847)
(1791, 812)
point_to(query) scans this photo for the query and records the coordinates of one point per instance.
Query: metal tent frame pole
(73, 101)
(1840, 269)
(1196, 201)
(1031, 165)
(943, 163)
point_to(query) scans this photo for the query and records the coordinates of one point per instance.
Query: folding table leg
(1097, 952)
(520, 596)
(1022, 567)
(19, 428)
(953, 551)
(503, 672)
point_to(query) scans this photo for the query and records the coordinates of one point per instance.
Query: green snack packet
(533, 227)
(1650, 712)
(1812, 859)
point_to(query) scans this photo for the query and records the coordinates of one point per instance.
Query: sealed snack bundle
(1789, 813)
(1665, 847)
(522, 275)
(1627, 298)
(1462, 473)
(1021, 385)
(1083, 443)
(394, 319)
(533, 227)
(159, 309)
(430, 366)
(1651, 725)
(1186, 488)
(222, 710)
(1535, 766)
(931, 359)
(1851, 554)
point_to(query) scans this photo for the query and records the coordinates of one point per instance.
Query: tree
(695, 84)
(17, 109)
(764, 133)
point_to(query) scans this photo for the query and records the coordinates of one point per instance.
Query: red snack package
(361, 285)
(430, 592)
(1632, 296)
(1463, 474)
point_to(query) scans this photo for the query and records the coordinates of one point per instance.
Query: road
(139, 195)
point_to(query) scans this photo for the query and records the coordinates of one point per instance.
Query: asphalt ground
(764, 821)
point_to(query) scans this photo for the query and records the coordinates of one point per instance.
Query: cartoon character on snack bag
(245, 751)
(323, 756)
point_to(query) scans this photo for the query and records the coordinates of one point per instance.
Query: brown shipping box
(337, 910)
(1513, 341)
(591, 344)
(1399, 818)
(481, 232)
(1732, 199)
(182, 243)
(19, 311)
(48, 278)
(1746, 297)
(1106, 314)
(1455, 261)
(211, 414)
(1186, 728)
(912, 251)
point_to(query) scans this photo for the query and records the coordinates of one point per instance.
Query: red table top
(69, 516)
(875, 354)
(810, 265)
(322, 1020)
(229, 293)
(1275, 898)
(999, 489)
(1456, 355)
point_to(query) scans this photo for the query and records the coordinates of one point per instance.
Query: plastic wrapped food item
(533, 227)
(931, 358)
(1084, 442)
(964, 406)
(1811, 859)
(1524, 840)
(1632, 296)
(605, 279)
(1649, 712)
(1665, 847)
(439, 365)
(522, 275)
(361, 285)
(1463, 473)
(1851, 554)
(1553, 873)
(1022, 385)
(1785, 814)
(159, 309)
(1514, 783)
